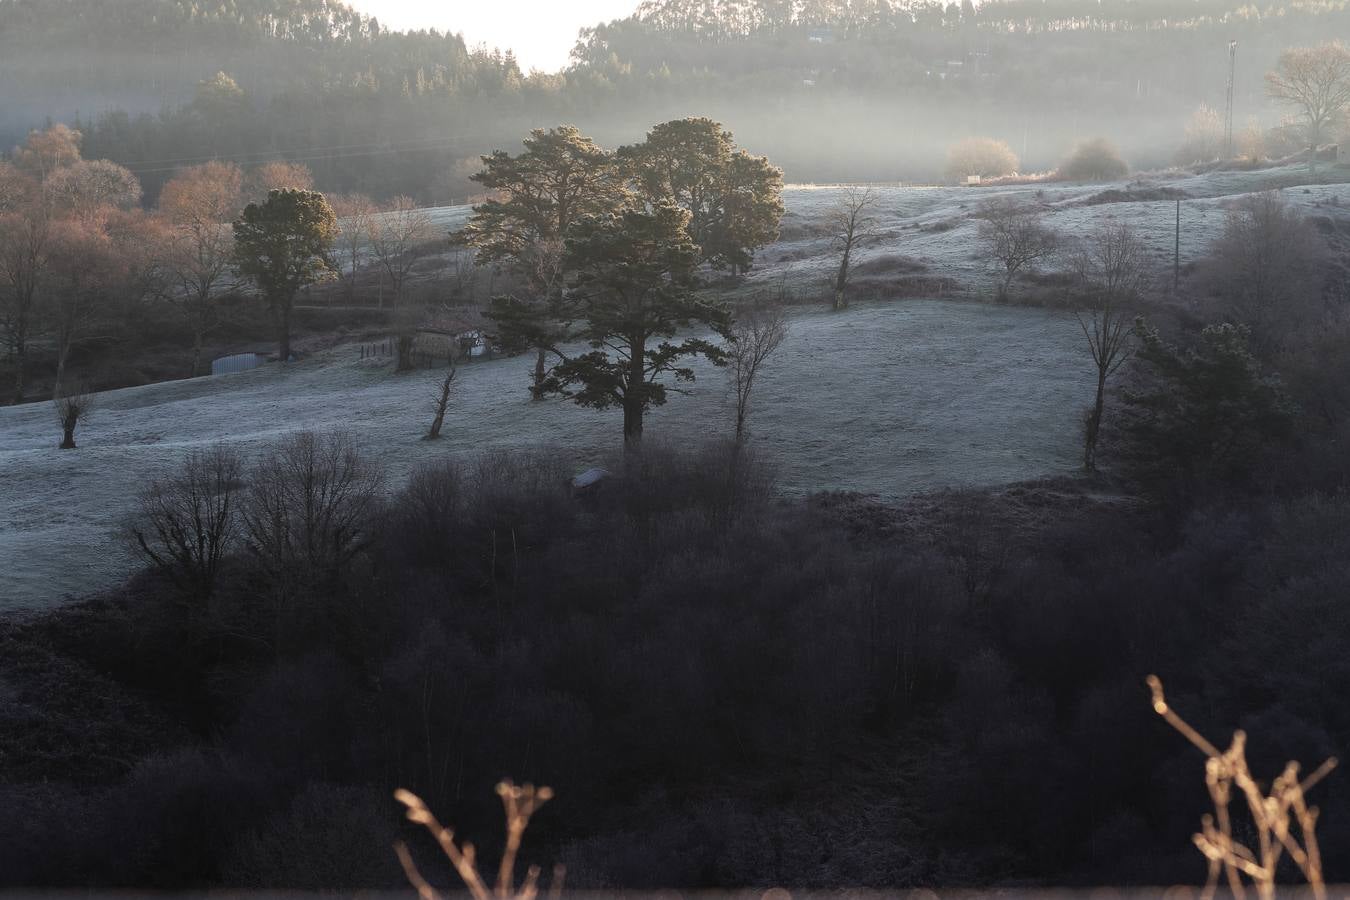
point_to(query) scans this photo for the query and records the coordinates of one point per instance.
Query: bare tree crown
(1315, 80)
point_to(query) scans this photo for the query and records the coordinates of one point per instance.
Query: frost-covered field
(887, 399)
(890, 399)
(935, 226)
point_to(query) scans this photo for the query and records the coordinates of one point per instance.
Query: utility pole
(1228, 115)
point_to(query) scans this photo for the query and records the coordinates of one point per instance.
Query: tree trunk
(1092, 429)
(20, 366)
(633, 395)
(403, 346)
(196, 352)
(442, 403)
(62, 355)
(284, 335)
(841, 282)
(68, 435)
(537, 384)
(1006, 286)
(743, 389)
(632, 422)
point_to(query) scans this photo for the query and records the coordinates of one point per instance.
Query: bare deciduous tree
(394, 234)
(1316, 81)
(982, 157)
(85, 266)
(1251, 141)
(73, 407)
(1204, 140)
(1014, 234)
(850, 223)
(442, 401)
(311, 508)
(16, 188)
(1267, 266)
(356, 216)
(277, 176)
(26, 255)
(197, 206)
(1112, 264)
(44, 152)
(463, 276)
(1112, 269)
(755, 335)
(188, 523)
(100, 261)
(88, 186)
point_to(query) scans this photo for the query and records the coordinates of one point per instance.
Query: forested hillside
(1160, 49)
(388, 112)
(306, 77)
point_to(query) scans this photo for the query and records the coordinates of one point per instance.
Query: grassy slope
(884, 399)
(888, 400)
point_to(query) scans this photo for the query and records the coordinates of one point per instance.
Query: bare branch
(1272, 815)
(1015, 235)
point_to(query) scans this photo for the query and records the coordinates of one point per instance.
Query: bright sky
(541, 32)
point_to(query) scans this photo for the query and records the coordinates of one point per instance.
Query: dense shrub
(725, 687)
(312, 508)
(1205, 417)
(985, 157)
(1094, 160)
(330, 837)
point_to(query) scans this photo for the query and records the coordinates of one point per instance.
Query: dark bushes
(188, 523)
(725, 687)
(330, 837)
(311, 509)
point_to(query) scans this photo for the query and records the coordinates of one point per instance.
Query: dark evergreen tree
(561, 176)
(633, 286)
(734, 200)
(283, 245)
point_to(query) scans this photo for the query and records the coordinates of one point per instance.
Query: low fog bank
(827, 137)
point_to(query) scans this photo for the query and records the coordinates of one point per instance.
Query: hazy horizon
(544, 45)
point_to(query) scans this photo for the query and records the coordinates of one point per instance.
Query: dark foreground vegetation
(724, 688)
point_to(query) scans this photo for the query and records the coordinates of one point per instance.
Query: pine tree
(634, 287)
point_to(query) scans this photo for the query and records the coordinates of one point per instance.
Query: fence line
(810, 185)
(452, 353)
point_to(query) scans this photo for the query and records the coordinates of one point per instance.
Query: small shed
(468, 338)
(239, 362)
(472, 343)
